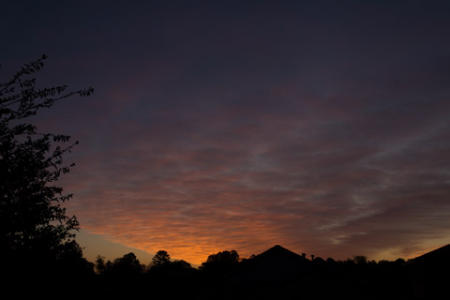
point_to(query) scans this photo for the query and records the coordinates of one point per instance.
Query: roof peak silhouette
(279, 251)
(278, 247)
(439, 253)
(276, 263)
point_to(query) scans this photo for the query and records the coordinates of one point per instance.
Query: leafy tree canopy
(161, 257)
(221, 262)
(33, 221)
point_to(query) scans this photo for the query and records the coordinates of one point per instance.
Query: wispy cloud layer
(368, 178)
(323, 127)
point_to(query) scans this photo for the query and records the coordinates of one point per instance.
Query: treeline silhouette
(274, 274)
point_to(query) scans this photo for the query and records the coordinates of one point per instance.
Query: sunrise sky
(323, 126)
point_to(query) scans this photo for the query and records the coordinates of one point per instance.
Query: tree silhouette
(101, 266)
(127, 266)
(221, 263)
(33, 221)
(161, 258)
(360, 260)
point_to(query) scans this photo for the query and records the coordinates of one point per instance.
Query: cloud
(327, 133)
(314, 178)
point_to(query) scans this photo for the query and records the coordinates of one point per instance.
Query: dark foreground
(275, 274)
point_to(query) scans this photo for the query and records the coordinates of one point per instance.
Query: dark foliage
(36, 235)
(281, 274)
(161, 258)
(221, 263)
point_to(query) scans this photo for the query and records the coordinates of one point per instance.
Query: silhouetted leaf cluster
(36, 235)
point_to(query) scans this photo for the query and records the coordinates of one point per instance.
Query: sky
(323, 126)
